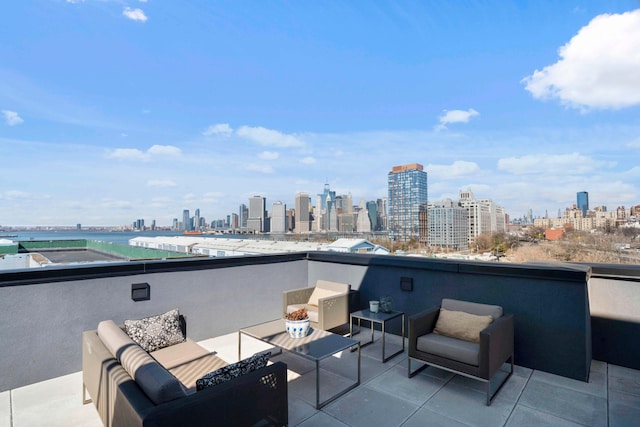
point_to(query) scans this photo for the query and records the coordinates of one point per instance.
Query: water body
(119, 237)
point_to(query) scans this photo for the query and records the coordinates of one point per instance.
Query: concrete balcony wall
(550, 303)
(42, 322)
(44, 311)
(614, 293)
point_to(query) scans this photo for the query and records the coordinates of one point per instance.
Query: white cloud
(11, 118)
(145, 156)
(135, 14)
(457, 169)
(269, 137)
(14, 195)
(308, 160)
(552, 165)
(599, 67)
(259, 168)
(269, 155)
(128, 154)
(164, 150)
(634, 144)
(160, 183)
(218, 129)
(455, 116)
(75, 1)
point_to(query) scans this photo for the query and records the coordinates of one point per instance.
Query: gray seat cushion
(494, 311)
(451, 348)
(188, 361)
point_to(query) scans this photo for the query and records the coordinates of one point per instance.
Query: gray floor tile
(368, 407)
(346, 365)
(624, 409)
(322, 419)
(527, 417)
(579, 407)
(598, 366)
(510, 391)
(5, 409)
(624, 380)
(304, 387)
(597, 385)
(427, 418)
(468, 406)
(299, 411)
(416, 390)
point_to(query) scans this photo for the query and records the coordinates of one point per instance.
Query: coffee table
(316, 346)
(379, 317)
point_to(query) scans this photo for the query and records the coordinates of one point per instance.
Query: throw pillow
(320, 293)
(461, 325)
(234, 370)
(156, 332)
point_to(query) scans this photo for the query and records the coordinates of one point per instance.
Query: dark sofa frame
(259, 397)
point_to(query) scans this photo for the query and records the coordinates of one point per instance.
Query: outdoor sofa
(132, 387)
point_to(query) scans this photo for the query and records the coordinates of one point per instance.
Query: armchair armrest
(295, 296)
(496, 344)
(250, 399)
(420, 324)
(333, 311)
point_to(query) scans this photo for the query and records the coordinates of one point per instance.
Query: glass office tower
(407, 195)
(583, 202)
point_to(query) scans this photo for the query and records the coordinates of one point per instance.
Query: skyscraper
(583, 202)
(278, 218)
(407, 194)
(186, 220)
(257, 214)
(243, 216)
(302, 213)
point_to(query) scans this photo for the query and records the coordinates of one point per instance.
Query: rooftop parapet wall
(43, 312)
(550, 303)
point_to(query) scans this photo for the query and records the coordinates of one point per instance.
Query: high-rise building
(243, 216)
(364, 224)
(196, 220)
(583, 202)
(302, 224)
(407, 194)
(447, 225)
(483, 216)
(279, 218)
(257, 214)
(372, 211)
(186, 221)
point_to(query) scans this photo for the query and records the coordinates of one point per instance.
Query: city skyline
(112, 111)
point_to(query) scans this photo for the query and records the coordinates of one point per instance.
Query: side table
(381, 318)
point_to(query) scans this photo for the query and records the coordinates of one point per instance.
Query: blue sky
(116, 110)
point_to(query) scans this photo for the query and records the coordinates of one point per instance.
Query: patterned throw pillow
(234, 370)
(156, 332)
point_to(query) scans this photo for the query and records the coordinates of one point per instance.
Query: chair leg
(84, 395)
(491, 396)
(412, 374)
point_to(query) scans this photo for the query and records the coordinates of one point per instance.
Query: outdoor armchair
(450, 343)
(327, 303)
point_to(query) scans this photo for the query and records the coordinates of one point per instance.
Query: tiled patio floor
(385, 397)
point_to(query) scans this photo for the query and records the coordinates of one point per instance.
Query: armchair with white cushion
(327, 303)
